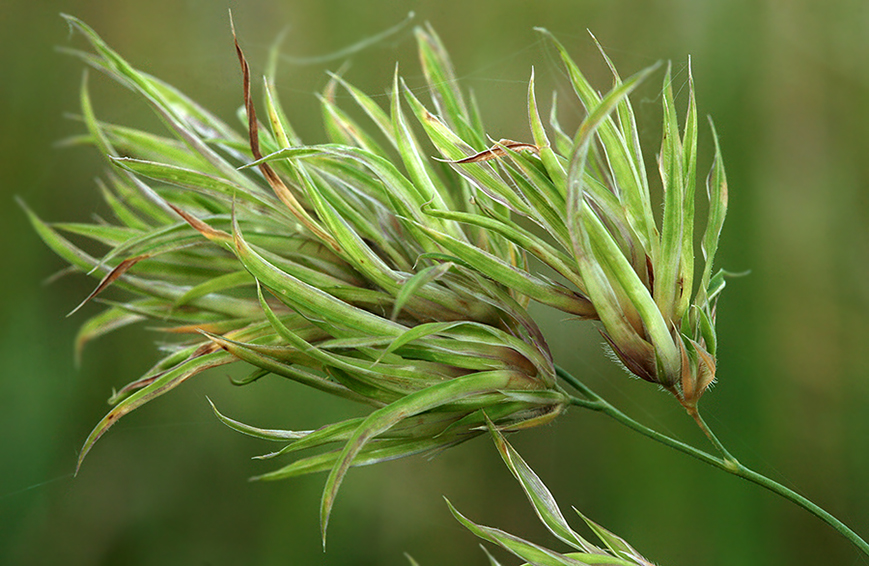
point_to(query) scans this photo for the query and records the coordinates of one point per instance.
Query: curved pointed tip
(325, 511)
(84, 452)
(324, 524)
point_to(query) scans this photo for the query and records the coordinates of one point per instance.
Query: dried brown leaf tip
(110, 278)
(201, 227)
(496, 151)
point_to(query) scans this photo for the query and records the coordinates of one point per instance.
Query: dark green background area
(788, 85)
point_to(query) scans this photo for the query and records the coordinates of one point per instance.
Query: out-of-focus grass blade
(341, 128)
(124, 213)
(103, 233)
(148, 287)
(563, 142)
(146, 146)
(371, 108)
(134, 193)
(105, 147)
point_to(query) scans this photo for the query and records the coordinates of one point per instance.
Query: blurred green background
(788, 85)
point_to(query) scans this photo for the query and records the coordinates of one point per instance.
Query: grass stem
(595, 402)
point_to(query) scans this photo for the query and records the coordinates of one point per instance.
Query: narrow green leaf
(545, 199)
(514, 278)
(716, 189)
(554, 258)
(179, 112)
(333, 432)
(616, 544)
(530, 552)
(148, 287)
(385, 378)
(547, 155)
(122, 212)
(250, 355)
(441, 79)
(620, 272)
(480, 174)
(429, 185)
(265, 434)
(105, 147)
(215, 285)
(383, 419)
(103, 233)
(310, 299)
(101, 324)
(206, 184)
(626, 119)
(689, 163)
(630, 186)
(540, 497)
(282, 131)
(563, 142)
(416, 282)
(374, 452)
(667, 265)
(159, 386)
(342, 129)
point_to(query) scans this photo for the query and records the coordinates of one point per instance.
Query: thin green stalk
(595, 402)
(695, 414)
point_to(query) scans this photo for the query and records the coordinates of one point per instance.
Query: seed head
(315, 263)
